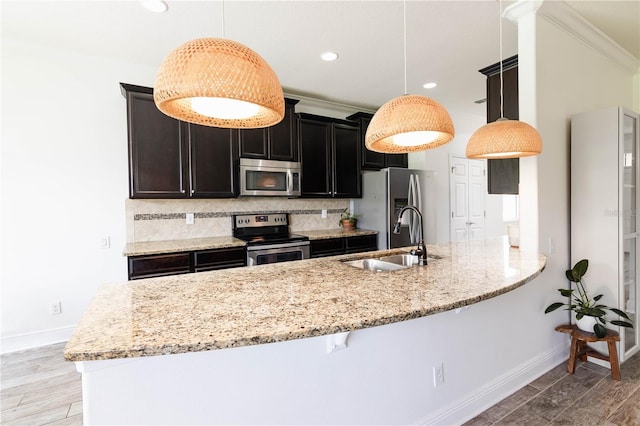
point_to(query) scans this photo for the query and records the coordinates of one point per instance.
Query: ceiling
(447, 41)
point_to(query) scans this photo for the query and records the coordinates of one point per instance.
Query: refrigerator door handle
(420, 207)
(410, 201)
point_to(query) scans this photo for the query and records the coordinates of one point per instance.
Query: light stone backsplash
(159, 220)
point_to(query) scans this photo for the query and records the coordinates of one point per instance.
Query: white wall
(64, 184)
(438, 160)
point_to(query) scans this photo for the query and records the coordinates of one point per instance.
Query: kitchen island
(269, 344)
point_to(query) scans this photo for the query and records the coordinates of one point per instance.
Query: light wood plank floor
(39, 388)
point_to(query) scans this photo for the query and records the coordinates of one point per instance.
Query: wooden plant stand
(580, 349)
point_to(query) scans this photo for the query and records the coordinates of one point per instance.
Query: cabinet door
(327, 247)
(253, 143)
(157, 150)
(315, 146)
(209, 260)
(214, 154)
(347, 179)
(283, 137)
(503, 174)
(159, 265)
(361, 243)
(396, 160)
(371, 160)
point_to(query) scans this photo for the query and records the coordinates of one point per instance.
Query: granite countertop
(293, 300)
(335, 233)
(191, 244)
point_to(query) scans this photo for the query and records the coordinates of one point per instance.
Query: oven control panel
(260, 220)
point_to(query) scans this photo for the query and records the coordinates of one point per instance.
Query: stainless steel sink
(401, 259)
(375, 265)
(387, 263)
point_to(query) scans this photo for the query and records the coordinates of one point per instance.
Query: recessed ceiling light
(157, 6)
(430, 85)
(329, 56)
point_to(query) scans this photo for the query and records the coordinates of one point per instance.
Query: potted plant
(348, 220)
(586, 308)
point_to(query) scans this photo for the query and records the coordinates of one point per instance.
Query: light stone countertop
(287, 301)
(335, 233)
(192, 244)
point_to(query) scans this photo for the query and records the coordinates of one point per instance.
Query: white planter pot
(586, 323)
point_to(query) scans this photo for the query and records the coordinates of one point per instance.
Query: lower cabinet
(343, 245)
(160, 265)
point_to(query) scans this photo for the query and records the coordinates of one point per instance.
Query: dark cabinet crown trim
(372, 160)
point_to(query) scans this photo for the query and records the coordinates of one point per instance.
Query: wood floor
(39, 388)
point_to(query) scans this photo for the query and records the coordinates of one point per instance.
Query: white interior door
(467, 197)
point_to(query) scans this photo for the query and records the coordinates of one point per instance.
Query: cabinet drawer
(327, 247)
(158, 265)
(208, 260)
(361, 243)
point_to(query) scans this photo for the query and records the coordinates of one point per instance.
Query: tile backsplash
(158, 220)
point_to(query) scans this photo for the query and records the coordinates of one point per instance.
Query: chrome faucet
(421, 250)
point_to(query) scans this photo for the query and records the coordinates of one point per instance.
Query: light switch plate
(190, 218)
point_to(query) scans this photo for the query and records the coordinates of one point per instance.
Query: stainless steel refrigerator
(385, 192)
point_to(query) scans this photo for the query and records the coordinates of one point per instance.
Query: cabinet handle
(193, 191)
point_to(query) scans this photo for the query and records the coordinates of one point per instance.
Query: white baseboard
(495, 391)
(34, 340)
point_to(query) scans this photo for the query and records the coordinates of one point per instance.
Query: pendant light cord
(222, 18)
(501, 79)
(404, 26)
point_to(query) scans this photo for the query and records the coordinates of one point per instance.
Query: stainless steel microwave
(269, 178)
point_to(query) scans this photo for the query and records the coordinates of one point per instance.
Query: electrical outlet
(438, 375)
(324, 213)
(190, 218)
(55, 308)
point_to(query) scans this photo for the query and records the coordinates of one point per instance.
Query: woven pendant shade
(407, 114)
(218, 68)
(504, 139)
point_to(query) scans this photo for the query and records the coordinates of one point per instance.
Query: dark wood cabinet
(361, 243)
(213, 157)
(330, 156)
(279, 142)
(173, 159)
(327, 247)
(209, 260)
(159, 265)
(343, 245)
(372, 160)
(158, 151)
(503, 174)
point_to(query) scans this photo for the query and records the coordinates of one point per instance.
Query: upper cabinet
(279, 142)
(372, 160)
(330, 155)
(503, 174)
(172, 159)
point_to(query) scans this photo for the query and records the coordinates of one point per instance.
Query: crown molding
(565, 17)
(562, 15)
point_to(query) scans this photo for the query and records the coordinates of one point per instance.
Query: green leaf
(553, 307)
(598, 297)
(569, 275)
(599, 330)
(565, 292)
(579, 269)
(579, 315)
(619, 312)
(622, 323)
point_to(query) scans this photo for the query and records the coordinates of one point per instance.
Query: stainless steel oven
(269, 178)
(268, 238)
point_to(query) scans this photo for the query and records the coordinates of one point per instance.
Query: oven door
(269, 178)
(273, 253)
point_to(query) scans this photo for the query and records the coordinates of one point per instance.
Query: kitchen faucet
(421, 250)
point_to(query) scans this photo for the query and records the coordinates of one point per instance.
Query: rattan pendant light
(408, 123)
(219, 83)
(504, 138)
